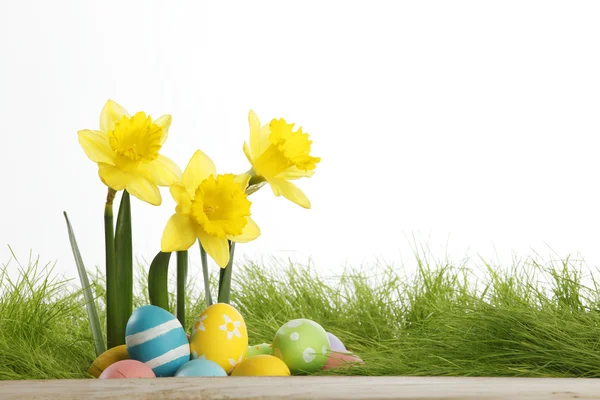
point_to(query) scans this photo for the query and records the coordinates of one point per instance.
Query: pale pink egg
(127, 369)
(342, 359)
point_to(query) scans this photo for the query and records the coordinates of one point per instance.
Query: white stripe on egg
(169, 356)
(149, 334)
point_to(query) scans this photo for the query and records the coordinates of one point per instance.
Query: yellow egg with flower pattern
(220, 335)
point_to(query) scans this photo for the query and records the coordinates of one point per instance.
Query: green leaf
(225, 277)
(111, 277)
(124, 258)
(182, 267)
(158, 279)
(87, 292)
(204, 260)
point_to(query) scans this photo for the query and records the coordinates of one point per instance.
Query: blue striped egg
(155, 337)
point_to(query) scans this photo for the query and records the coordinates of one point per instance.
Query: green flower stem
(204, 259)
(111, 272)
(225, 277)
(182, 266)
(124, 264)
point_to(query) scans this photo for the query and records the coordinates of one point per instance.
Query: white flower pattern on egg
(199, 325)
(294, 324)
(234, 363)
(231, 327)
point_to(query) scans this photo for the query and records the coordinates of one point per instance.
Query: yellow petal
(215, 247)
(113, 177)
(251, 231)
(290, 192)
(248, 153)
(162, 170)
(265, 142)
(182, 198)
(198, 169)
(140, 187)
(111, 113)
(259, 136)
(294, 172)
(179, 234)
(96, 146)
(254, 134)
(242, 180)
(165, 123)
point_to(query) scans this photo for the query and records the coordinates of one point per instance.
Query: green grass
(530, 319)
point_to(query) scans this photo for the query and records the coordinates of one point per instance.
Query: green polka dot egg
(303, 345)
(260, 349)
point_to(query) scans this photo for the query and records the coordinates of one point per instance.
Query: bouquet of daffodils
(212, 209)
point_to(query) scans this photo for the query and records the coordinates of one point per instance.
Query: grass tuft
(532, 319)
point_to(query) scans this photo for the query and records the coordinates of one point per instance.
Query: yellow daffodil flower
(278, 155)
(126, 149)
(212, 208)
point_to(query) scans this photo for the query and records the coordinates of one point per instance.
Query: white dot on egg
(324, 350)
(295, 336)
(294, 324)
(308, 355)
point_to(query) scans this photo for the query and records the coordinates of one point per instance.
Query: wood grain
(306, 388)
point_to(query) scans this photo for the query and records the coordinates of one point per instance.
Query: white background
(470, 125)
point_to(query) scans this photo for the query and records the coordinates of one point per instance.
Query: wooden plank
(420, 388)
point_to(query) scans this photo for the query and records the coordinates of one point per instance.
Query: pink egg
(342, 359)
(127, 369)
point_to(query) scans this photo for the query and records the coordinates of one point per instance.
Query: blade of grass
(182, 267)
(225, 277)
(205, 277)
(124, 258)
(87, 292)
(158, 277)
(111, 272)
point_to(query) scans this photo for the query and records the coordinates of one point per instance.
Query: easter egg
(127, 369)
(302, 344)
(155, 337)
(220, 335)
(107, 358)
(342, 359)
(261, 365)
(335, 344)
(200, 367)
(264, 348)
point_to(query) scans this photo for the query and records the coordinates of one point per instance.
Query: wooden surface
(306, 388)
